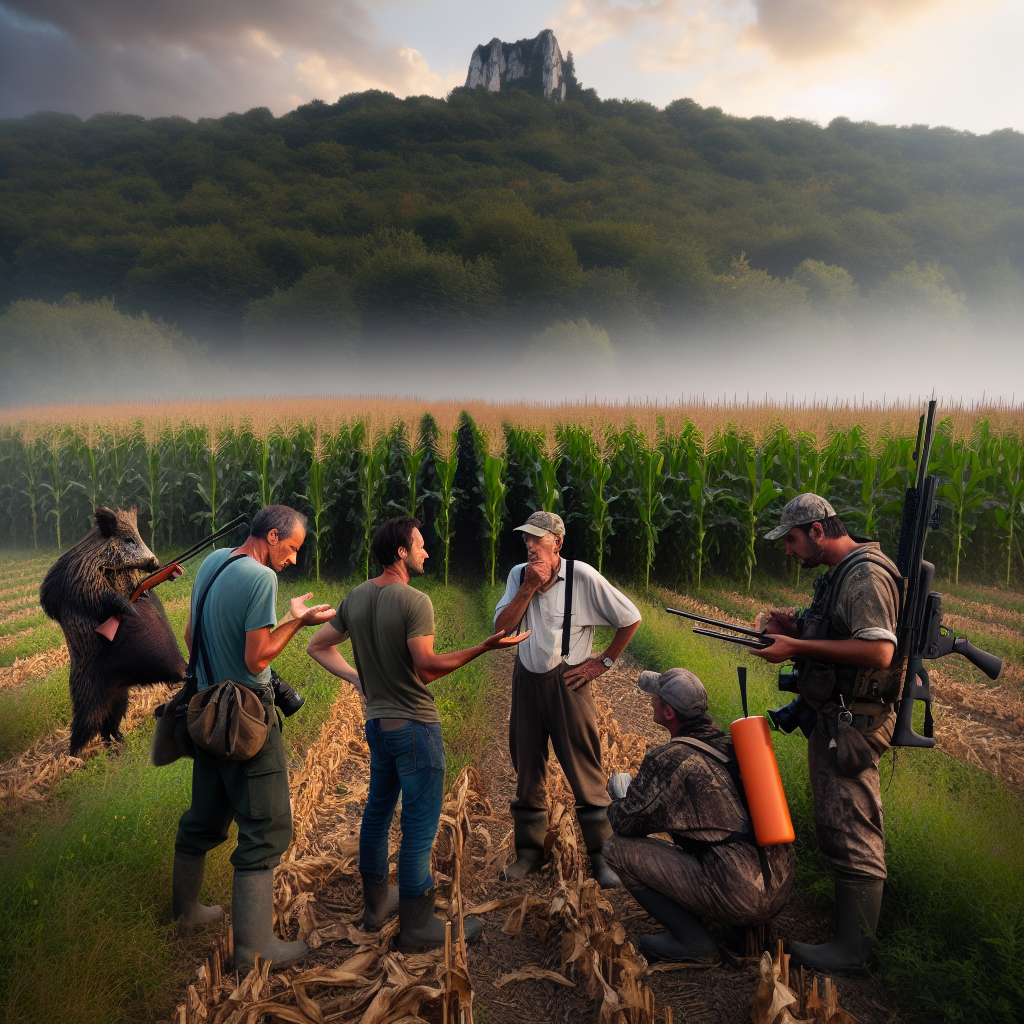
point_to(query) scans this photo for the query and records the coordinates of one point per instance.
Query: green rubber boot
(187, 879)
(420, 929)
(686, 937)
(252, 918)
(596, 829)
(380, 901)
(531, 826)
(858, 904)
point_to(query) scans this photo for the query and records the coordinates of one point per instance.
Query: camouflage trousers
(848, 810)
(723, 883)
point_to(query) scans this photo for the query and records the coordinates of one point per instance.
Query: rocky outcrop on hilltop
(535, 63)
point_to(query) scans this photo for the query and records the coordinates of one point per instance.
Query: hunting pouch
(229, 719)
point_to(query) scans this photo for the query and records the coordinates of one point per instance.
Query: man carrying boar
(392, 630)
(848, 677)
(237, 631)
(561, 601)
(713, 869)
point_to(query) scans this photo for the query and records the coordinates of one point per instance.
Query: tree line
(373, 215)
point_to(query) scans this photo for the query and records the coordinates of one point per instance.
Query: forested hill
(375, 213)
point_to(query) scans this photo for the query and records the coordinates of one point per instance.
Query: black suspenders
(567, 613)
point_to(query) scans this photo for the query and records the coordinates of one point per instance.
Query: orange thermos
(762, 783)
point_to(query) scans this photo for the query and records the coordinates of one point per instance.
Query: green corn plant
(119, 439)
(90, 452)
(31, 474)
(412, 450)
(958, 460)
(492, 467)
(445, 450)
(754, 492)
(704, 508)
(590, 461)
(1010, 482)
(268, 467)
(210, 441)
(375, 455)
(320, 493)
(644, 459)
(60, 451)
(539, 454)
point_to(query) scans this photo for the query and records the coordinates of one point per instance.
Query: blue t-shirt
(243, 598)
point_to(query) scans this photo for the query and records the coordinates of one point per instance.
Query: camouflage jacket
(686, 793)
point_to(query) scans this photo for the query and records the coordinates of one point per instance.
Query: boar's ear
(106, 520)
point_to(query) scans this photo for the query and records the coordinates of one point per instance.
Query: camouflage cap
(543, 522)
(803, 509)
(679, 688)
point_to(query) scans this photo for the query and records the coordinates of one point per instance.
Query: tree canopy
(375, 213)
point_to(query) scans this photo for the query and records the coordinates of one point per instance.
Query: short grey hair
(276, 517)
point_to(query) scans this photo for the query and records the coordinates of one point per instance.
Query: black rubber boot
(380, 901)
(858, 904)
(531, 828)
(186, 881)
(252, 919)
(686, 937)
(596, 829)
(420, 929)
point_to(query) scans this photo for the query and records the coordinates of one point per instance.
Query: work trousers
(848, 811)
(252, 793)
(407, 760)
(545, 709)
(723, 883)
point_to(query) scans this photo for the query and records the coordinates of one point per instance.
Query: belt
(388, 724)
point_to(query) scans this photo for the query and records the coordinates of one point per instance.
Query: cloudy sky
(948, 62)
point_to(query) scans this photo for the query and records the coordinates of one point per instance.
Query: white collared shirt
(595, 602)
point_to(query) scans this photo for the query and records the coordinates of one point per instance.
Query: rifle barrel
(717, 622)
(741, 640)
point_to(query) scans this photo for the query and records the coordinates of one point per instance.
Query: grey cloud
(188, 57)
(799, 29)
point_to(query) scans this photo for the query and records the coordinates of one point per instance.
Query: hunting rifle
(165, 572)
(921, 636)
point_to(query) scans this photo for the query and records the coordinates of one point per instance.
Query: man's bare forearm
(620, 641)
(273, 645)
(512, 614)
(437, 665)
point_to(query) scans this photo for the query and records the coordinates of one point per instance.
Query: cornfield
(670, 492)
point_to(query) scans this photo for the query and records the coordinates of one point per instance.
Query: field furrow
(34, 666)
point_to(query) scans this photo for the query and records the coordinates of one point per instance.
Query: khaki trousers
(848, 811)
(545, 709)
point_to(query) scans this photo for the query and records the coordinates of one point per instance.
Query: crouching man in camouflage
(713, 870)
(847, 676)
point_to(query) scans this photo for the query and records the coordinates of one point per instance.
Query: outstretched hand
(500, 641)
(315, 616)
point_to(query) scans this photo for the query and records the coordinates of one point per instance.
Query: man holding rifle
(847, 675)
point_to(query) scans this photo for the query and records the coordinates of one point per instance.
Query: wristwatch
(607, 662)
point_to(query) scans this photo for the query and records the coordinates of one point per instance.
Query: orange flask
(762, 782)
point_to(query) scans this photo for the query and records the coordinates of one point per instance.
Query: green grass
(952, 929)
(85, 880)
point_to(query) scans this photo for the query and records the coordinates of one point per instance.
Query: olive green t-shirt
(381, 621)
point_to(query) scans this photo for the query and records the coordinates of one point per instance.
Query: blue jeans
(409, 760)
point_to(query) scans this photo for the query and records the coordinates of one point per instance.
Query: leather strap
(389, 724)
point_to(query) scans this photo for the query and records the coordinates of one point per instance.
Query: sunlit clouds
(905, 61)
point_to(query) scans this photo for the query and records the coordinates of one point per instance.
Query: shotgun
(748, 637)
(166, 572)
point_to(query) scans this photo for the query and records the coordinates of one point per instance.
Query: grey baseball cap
(543, 522)
(803, 509)
(679, 688)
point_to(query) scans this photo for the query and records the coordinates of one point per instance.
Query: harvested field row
(22, 613)
(986, 613)
(28, 587)
(35, 665)
(29, 778)
(17, 602)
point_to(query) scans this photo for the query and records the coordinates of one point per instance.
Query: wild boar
(85, 586)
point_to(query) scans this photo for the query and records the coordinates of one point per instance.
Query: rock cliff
(533, 62)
